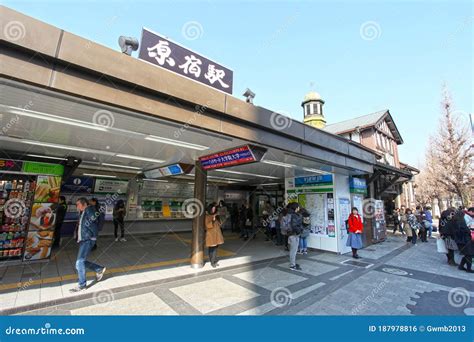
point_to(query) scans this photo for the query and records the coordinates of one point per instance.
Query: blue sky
(282, 50)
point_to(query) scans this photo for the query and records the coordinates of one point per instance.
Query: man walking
(296, 227)
(87, 232)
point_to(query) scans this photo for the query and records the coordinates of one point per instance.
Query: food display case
(28, 203)
(16, 195)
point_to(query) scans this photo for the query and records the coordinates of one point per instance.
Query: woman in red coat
(355, 230)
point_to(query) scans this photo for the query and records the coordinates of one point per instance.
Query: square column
(198, 232)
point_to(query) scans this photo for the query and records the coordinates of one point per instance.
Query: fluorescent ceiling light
(124, 166)
(96, 167)
(176, 143)
(155, 180)
(97, 175)
(139, 158)
(267, 184)
(54, 118)
(230, 179)
(45, 157)
(64, 147)
(272, 162)
(247, 174)
(314, 170)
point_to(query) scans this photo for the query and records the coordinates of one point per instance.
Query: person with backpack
(296, 227)
(354, 240)
(303, 245)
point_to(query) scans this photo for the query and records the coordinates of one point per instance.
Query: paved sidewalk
(142, 259)
(392, 278)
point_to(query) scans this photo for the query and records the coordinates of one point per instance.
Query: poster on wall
(379, 221)
(38, 245)
(344, 211)
(315, 204)
(43, 216)
(47, 189)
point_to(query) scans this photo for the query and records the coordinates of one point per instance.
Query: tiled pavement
(392, 279)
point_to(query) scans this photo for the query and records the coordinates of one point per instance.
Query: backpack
(299, 228)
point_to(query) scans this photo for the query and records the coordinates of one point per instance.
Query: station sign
(357, 185)
(236, 156)
(80, 184)
(314, 180)
(110, 186)
(164, 53)
(168, 170)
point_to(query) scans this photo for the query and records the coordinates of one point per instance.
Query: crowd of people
(456, 228)
(414, 223)
(287, 226)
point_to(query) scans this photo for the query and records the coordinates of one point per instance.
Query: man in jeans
(296, 227)
(429, 219)
(87, 232)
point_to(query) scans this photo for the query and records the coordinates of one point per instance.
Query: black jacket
(462, 236)
(296, 223)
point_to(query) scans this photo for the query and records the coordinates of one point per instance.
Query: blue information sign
(313, 180)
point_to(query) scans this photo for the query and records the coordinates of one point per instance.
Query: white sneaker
(123, 240)
(100, 275)
(116, 239)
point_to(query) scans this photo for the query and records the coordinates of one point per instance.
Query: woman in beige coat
(214, 236)
(406, 225)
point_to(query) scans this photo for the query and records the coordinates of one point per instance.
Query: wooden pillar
(197, 244)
